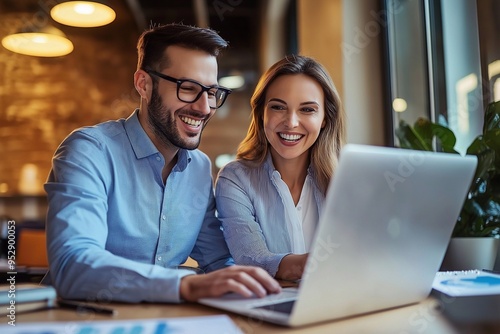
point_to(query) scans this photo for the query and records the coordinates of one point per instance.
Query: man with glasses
(131, 199)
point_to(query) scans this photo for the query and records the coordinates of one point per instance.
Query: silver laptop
(387, 220)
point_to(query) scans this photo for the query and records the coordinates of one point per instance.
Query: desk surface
(424, 317)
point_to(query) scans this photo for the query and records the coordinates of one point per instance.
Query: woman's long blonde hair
(325, 151)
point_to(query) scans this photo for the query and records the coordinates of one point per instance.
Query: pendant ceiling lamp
(83, 14)
(44, 42)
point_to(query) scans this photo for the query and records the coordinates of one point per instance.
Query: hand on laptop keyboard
(244, 280)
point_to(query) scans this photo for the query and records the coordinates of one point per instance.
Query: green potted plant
(480, 214)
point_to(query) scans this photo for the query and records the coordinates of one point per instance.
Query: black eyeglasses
(189, 91)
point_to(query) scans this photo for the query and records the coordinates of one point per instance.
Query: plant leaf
(492, 140)
(480, 215)
(492, 117)
(485, 159)
(445, 137)
(408, 138)
(422, 134)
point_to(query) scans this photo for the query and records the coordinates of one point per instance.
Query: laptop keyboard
(283, 307)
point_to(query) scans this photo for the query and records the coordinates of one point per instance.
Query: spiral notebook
(468, 296)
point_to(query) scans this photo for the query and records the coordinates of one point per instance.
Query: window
(443, 62)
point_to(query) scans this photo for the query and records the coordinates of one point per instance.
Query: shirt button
(163, 217)
(159, 258)
(299, 208)
(158, 158)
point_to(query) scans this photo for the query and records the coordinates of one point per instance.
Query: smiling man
(130, 200)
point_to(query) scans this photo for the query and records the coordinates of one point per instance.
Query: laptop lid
(385, 226)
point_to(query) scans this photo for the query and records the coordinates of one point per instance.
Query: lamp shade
(83, 14)
(45, 42)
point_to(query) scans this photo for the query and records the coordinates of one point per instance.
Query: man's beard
(163, 124)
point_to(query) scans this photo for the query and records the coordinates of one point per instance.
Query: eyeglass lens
(189, 92)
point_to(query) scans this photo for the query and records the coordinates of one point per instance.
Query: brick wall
(43, 99)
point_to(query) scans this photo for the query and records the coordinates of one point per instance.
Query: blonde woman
(269, 199)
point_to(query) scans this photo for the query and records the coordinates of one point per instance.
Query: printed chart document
(217, 324)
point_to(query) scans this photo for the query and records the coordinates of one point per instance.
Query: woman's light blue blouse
(251, 204)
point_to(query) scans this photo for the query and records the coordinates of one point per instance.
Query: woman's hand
(291, 267)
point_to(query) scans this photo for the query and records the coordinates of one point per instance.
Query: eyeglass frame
(179, 82)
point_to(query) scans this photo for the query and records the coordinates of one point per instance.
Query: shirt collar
(143, 146)
(183, 158)
(139, 140)
(271, 170)
(269, 166)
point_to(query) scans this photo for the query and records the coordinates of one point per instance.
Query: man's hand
(244, 280)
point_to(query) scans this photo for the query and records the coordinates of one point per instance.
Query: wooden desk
(424, 317)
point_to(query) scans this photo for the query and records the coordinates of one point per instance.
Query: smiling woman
(270, 198)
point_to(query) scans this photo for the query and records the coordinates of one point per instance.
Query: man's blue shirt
(114, 229)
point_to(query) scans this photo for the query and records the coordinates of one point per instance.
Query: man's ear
(143, 84)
